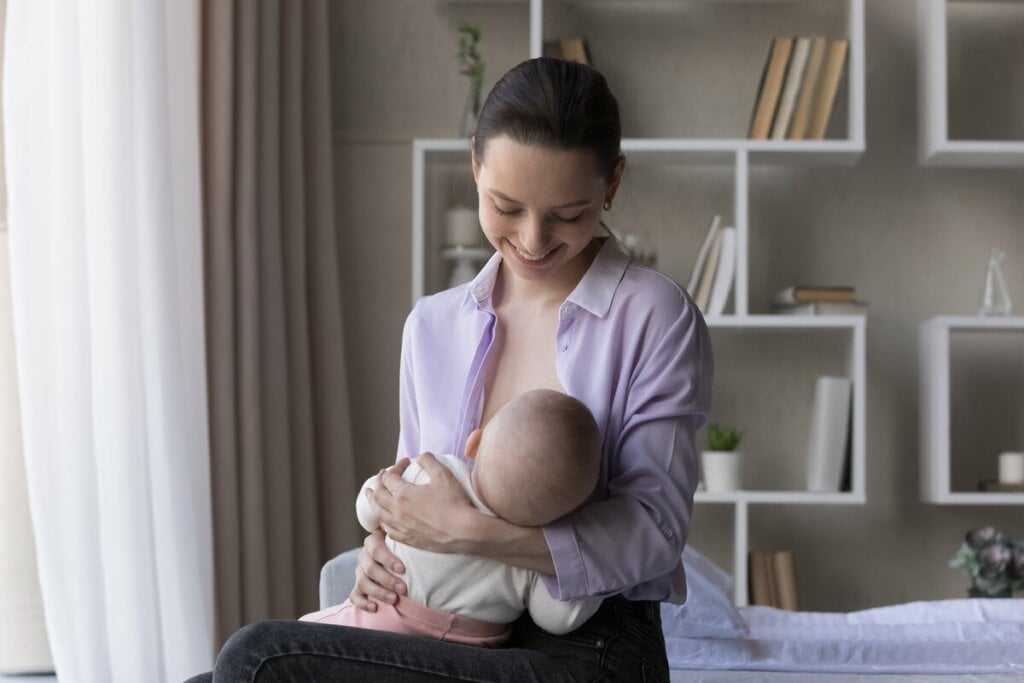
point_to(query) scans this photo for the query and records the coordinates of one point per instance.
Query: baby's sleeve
(558, 616)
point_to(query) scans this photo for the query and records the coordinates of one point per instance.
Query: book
(724, 273)
(802, 111)
(707, 278)
(785, 579)
(702, 255)
(830, 432)
(575, 50)
(825, 89)
(759, 580)
(552, 48)
(995, 486)
(771, 85)
(803, 294)
(787, 100)
(822, 308)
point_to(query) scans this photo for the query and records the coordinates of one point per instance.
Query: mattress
(975, 639)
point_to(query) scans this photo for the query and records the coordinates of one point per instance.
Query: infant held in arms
(536, 460)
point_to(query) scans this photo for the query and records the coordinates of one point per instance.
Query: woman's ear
(613, 186)
(474, 162)
(473, 443)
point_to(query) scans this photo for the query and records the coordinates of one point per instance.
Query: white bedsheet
(941, 637)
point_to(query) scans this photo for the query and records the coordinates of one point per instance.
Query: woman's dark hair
(555, 103)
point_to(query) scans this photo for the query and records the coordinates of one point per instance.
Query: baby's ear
(473, 443)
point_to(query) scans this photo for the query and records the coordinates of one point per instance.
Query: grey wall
(913, 240)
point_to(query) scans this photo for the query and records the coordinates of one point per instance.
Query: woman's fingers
(373, 580)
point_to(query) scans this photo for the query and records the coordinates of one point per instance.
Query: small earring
(608, 205)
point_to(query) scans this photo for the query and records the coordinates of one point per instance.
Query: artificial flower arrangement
(993, 561)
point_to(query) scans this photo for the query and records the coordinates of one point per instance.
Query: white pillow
(708, 612)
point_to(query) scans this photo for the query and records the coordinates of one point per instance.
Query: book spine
(787, 100)
(758, 571)
(771, 85)
(785, 579)
(830, 426)
(831, 72)
(724, 274)
(802, 112)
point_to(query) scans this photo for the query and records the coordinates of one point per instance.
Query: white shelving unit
(739, 154)
(935, 385)
(935, 147)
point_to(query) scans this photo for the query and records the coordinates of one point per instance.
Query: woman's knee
(247, 649)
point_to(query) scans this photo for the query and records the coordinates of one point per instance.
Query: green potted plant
(722, 462)
(471, 65)
(993, 562)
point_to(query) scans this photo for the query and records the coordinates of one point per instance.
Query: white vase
(722, 470)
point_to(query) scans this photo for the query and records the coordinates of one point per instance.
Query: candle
(1011, 468)
(461, 226)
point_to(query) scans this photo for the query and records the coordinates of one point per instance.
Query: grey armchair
(337, 577)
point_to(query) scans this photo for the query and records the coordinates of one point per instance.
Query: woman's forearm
(503, 541)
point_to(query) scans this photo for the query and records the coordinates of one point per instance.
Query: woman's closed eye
(516, 212)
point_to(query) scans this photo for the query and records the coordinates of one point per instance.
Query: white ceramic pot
(722, 470)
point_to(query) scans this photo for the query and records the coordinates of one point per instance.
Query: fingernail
(397, 566)
(391, 597)
(400, 589)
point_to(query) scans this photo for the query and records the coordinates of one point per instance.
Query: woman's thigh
(622, 642)
(623, 637)
(297, 650)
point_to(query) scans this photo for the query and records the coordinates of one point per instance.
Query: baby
(536, 461)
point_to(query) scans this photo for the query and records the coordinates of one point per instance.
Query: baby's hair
(543, 454)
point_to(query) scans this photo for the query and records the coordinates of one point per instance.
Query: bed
(710, 641)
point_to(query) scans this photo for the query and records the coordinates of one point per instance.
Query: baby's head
(537, 459)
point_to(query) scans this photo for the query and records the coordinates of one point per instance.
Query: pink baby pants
(416, 619)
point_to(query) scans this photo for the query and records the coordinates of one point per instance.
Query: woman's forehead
(511, 167)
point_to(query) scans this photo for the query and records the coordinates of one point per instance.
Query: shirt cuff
(570, 579)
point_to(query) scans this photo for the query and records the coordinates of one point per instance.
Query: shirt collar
(593, 293)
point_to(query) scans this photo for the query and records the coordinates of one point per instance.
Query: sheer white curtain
(101, 111)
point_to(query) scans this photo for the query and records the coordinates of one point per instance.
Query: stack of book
(798, 88)
(817, 300)
(571, 49)
(772, 580)
(711, 281)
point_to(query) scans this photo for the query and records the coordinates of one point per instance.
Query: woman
(557, 307)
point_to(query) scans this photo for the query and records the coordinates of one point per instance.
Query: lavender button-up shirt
(631, 346)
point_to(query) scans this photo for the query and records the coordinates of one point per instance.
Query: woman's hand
(374, 582)
(425, 516)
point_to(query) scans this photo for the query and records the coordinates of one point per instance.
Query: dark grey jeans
(622, 642)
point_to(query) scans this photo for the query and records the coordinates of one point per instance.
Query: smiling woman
(558, 307)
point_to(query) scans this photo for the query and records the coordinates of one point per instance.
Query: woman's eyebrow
(578, 202)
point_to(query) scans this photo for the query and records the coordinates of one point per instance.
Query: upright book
(702, 255)
(802, 111)
(707, 278)
(830, 432)
(724, 273)
(794, 76)
(825, 89)
(785, 579)
(770, 88)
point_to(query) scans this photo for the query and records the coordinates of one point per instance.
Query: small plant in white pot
(722, 463)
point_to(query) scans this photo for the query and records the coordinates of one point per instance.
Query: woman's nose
(534, 237)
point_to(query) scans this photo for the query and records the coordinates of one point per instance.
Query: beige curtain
(281, 452)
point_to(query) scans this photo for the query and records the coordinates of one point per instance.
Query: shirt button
(564, 347)
(667, 532)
